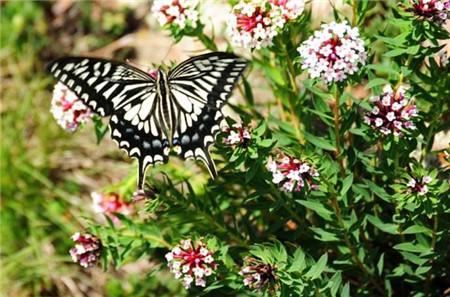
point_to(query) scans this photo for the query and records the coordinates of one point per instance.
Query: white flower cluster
(68, 110)
(419, 186)
(180, 13)
(237, 135)
(292, 175)
(333, 53)
(392, 112)
(191, 263)
(254, 24)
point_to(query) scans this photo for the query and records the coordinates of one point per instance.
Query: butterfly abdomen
(167, 112)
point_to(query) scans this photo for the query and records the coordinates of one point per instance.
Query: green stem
(433, 247)
(293, 96)
(355, 13)
(207, 42)
(337, 128)
(351, 247)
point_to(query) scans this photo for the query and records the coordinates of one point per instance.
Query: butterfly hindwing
(200, 86)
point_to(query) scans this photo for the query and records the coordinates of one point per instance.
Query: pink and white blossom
(419, 185)
(237, 135)
(254, 24)
(109, 204)
(333, 53)
(292, 175)
(68, 110)
(178, 13)
(257, 275)
(437, 11)
(87, 249)
(192, 263)
(392, 112)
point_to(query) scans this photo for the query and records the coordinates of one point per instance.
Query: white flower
(169, 256)
(254, 23)
(333, 53)
(427, 179)
(411, 183)
(68, 110)
(180, 13)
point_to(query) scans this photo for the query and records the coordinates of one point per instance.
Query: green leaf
(380, 264)
(346, 290)
(346, 184)
(317, 268)
(376, 82)
(395, 52)
(100, 128)
(319, 142)
(417, 229)
(248, 92)
(410, 247)
(317, 207)
(324, 235)
(385, 227)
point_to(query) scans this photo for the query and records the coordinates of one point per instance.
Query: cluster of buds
(68, 110)
(237, 135)
(433, 10)
(109, 204)
(87, 249)
(178, 13)
(191, 263)
(419, 185)
(333, 53)
(254, 24)
(392, 112)
(257, 275)
(292, 175)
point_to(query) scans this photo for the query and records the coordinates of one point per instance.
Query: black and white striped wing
(200, 86)
(124, 92)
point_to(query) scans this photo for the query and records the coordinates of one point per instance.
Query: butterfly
(152, 114)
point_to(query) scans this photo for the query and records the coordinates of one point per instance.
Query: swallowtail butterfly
(151, 115)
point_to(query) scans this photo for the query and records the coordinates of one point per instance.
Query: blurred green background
(47, 173)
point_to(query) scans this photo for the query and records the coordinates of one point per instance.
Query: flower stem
(433, 247)
(351, 247)
(293, 96)
(337, 128)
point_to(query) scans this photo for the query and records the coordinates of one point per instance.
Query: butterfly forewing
(200, 86)
(124, 92)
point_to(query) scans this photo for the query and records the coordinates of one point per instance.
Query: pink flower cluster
(433, 10)
(254, 24)
(333, 53)
(392, 112)
(111, 203)
(68, 110)
(192, 263)
(237, 135)
(419, 185)
(257, 274)
(292, 175)
(87, 249)
(180, 13)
